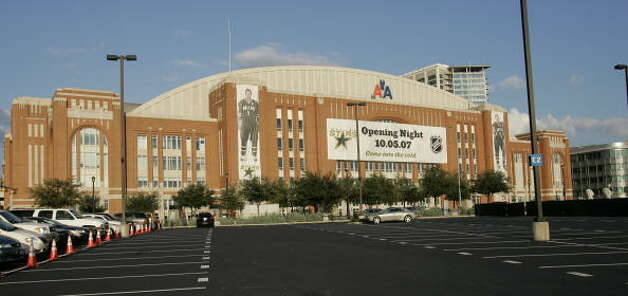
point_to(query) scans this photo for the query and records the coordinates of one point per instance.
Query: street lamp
(94, 194)
(357, 133)
(122, 58)
(624, 67)
(540, 227)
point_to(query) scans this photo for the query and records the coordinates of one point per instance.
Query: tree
(435, 183)
(378, 189)
(86, 203)
(408, 192)
(282, 194)
(56, 193)
(491, 182)
(348, 190)
(142, 202)
(452, 188)
(230, 201)
(320, 191)
(257, 191)
(194, 196)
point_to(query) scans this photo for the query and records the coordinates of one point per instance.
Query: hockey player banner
(499, 142)
(248, 130)
(389, 142)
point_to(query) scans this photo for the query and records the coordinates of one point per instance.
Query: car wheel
(377, 220)
(407, 219)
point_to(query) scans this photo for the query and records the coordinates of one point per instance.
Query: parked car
(392, 214)
(136, 218)
(204, 220)
(22, 213)
(25, 237)
(71, 217)
(113, 223)
(42, 229)
(10, 250)
(364, 216)
(79, 234)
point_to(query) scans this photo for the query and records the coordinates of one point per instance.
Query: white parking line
(109, 266)
(139, 291)
(468, 243)
(582, 265)
(511, 262)
(205, 266)
(440, 239)
(138, 252)
(98, 278)
(554, 254)
(580, 274)
(512, 248)
(464, 253)
(429, 247)
(203, 280)
(126, 258)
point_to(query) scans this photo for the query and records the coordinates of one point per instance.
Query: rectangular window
(290, 144)
(188, 163)
(465, 138)
(301, 146)
(302, 164)
(458, 137)
(300, 125)
(280, 163)
(153, 142)
(200, 163)
(289, 124)
(142, 163)
(200, 144)
(291, 164)
(279, 144)
(278, 122)
(172, 142)
(142, 182)
(141, 142)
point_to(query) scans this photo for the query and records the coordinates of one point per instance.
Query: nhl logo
(436, 144)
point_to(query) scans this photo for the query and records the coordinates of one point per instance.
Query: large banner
(389, 142)
(499, 142)
(247, 97)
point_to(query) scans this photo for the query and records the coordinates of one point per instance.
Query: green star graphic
(248, 172)
(342, 140)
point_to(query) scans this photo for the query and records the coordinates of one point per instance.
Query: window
(278, 120)
(458, 138)
(290, 144)
(172, 163)
(200, 163)
(289, 124)
(63, 215)
(301, 146)
(279, 144)
(200, 144)
(172, 142)
(45, 214)
(200, 182)
(465, 137)
(142, 163)
(153, 142)
(142, 182)
(300, 125)
(155, 165)
(141, 142)
(302, 164)
(188, 163)
(291, 164)
(280, 163)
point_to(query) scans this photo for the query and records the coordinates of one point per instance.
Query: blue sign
(536, 159)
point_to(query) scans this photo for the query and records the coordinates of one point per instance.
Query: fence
(566, 208)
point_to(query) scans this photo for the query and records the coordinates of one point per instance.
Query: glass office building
(467, 81)
(600, 171)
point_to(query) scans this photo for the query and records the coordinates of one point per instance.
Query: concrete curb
(283, 223)
(445, 217)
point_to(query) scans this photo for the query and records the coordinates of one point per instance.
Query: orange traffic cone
(32, 259)
(53, 251)
(118, 234)
(90, 241)
(131, 232)
(98, 241)
(108, 237)
(158, 226)
(69, 249)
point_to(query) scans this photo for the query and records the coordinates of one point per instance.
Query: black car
(79, 234)
(205, 219)
(10, 250)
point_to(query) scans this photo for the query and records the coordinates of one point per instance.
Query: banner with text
(389, 142)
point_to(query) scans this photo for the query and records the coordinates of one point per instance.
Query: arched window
(90, 157)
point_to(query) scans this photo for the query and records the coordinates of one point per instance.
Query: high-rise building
(600, 171)
(467, 81)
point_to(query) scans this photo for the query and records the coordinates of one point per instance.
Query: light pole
(624, 67)
(94, 194)
(540, 227)
(122, 58)
(357, 133)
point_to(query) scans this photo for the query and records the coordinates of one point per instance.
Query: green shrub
(431, 212)
(273, 218)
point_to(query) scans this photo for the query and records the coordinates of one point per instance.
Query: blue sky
(55, 44)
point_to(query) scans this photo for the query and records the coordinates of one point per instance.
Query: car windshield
(10, 217)
(7, 227)
(109, 217)
(76, 214)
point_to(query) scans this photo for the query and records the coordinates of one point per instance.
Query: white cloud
(65, 51)
(271, 55)
(512, 81)
(576, 80)
(519, 123)
(188, 63)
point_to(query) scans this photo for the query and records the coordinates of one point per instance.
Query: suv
(113, 223)
(71, 217)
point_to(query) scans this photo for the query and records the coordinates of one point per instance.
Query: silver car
(392, 214)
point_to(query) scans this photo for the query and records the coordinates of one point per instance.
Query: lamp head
(620, 66)
(112, 57)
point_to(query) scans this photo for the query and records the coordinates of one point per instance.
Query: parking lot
(168, 262)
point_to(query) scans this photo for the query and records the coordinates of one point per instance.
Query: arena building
(276, 122)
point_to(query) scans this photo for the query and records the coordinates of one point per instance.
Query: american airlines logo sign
(381, 91)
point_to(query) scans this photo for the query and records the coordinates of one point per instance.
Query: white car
(25, 237)
(40, 228)
(113, 223)
(71, 217)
